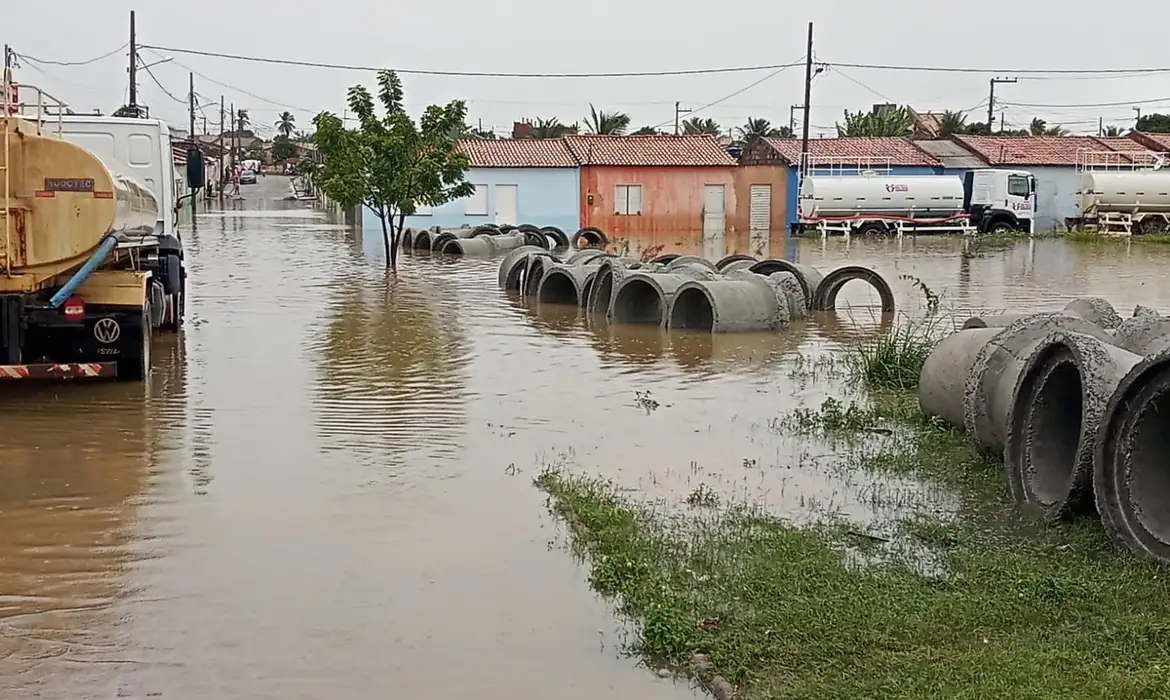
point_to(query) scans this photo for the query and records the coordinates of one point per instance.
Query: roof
(517, 153)
(1158, 141)
(855, 151)
(650, 150)
(1042, 150)
(926, 123)
(951, 154)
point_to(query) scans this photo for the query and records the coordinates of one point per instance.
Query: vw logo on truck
(107, 331)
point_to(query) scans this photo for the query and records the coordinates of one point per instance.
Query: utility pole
(222, 159)
(991, 101)
(1139, 117)
(191, 104)
(808, 76)
(792, 117)
(133, 66)
(677, 111)
(1100, 126)
(232, 145)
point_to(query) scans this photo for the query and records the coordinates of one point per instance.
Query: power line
(465, 74)
(86, 62)
(160, 85)
(1103, 72)
(254, 96)
(736, 93)
(1089, 104)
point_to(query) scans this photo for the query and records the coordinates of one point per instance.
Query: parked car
(248, 177)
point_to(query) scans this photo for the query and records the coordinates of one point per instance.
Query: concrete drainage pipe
(440, 240)
(1143, 334)
(737, 302)
(610, 273)
(825, 295)
(534, 272)
(643, 298)
(950, 362)
(1095, 310)
(566, 284)
(683, 260)
(723, 262)
(481, 246)
(1059, 400)
(990, 386)
(513, 265)
(809, 278)
(1131, 475)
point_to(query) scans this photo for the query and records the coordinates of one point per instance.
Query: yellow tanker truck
(87, 275)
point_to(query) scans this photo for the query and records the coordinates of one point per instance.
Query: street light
(146, 66)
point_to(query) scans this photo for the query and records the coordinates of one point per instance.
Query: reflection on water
(329, 494)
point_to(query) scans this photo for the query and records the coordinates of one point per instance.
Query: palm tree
(952, 123)
(607, 123)
(286, 124)
(647, 131)
(1039, 127)
(699, 125)
(302, 136)
(759, 128)
(551, 129)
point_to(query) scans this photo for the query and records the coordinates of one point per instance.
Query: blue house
(517, 181)
(839, 156)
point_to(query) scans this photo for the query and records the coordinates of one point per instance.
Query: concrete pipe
(825, 295)
(566, 284)
(1143, 335)
(941, 382)
(610, 272)
(581, 257)
(589, 237)
(690, 260)
(734, 303)
(644, 298)
(1131, 466)
(726, 260)
(737, 266)
(534, 272)
(422, 240)
(665, 258)
(809, 278)
(1139, 311)
(438, 242)
(990, 386)
(482, 246)
(1095, 310)
(513, 265)
(1060, 399)
(790, 293)
(407, 240)
(992, 321)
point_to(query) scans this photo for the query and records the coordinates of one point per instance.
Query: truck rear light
(74, 308)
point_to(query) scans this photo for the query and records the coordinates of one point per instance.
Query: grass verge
(1016, 608)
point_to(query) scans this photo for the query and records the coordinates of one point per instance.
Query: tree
(1154, 123)
(283, 148)
(302, 137)
(608, 123)
(759, 128)
(388, 163)
(1039, 127)
(242, 120)
(286, 124)
(1113, 132)
(952, 123)
(551, 129)
(884, 121)
(647, 131)
(699, 125)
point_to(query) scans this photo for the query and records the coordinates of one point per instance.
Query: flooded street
(325, 490)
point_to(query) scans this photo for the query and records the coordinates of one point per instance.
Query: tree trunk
(398, 235)
(395, 233)
(386, 238)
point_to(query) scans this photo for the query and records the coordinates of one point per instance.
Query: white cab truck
(988, 200)
(1123, 194)
(91, 262)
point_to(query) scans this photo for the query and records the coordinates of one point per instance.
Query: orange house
(640, 185)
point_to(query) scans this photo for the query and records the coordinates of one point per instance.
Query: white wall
(1056, 195)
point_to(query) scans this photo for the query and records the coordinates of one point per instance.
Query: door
(506, 204)
(760, 213)
(713, 213)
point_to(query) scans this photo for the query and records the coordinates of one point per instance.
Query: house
(955, 159)
(638, 185)
(1056, 163)
(837, 156)
(517, 181)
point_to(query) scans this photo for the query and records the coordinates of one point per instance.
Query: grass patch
(893, 361)
(1099, 237)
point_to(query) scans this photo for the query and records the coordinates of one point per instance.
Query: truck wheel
(1000, 228)
(872, 228)
(134, 361)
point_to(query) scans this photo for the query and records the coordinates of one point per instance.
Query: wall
(672, 198)
(545, 197)
(794, 184)
(1056, 194)
(747, 175)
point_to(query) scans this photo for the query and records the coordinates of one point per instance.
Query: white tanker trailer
(987, 200)
(1125, 202)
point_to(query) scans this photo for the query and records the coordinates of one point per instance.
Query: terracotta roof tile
(1045, 150)
(1155, 140)
(697, 150)
(517, 153)
(855, 151)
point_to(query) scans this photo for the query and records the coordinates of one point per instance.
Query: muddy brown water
(324, 491)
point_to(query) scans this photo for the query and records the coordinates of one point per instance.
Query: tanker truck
(987, 200)
(88, 272)
(1123, 202)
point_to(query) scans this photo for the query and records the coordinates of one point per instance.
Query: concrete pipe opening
(601, 293)
(451, 246)
(534, 273)
(422, 241)
(638, 302)
(692, 310)
(1046, 432)
(558, 287)
(825, 295)
(1149, 457)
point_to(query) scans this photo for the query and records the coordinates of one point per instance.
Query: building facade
(636, 186)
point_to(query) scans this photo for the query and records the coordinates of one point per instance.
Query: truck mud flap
(79, 370)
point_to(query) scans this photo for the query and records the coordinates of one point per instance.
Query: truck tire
(872, 228)
(1000, 228)
(134, 360)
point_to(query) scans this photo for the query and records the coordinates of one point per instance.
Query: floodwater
(325, 490)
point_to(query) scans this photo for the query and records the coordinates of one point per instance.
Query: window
(1017, 186)
(627, 200)
(477, 203)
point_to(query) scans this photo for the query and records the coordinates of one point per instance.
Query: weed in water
(932, 297)
(702, 497)
(893, 361)
(645, 401)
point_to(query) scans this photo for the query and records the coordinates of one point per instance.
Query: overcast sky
(606, 36)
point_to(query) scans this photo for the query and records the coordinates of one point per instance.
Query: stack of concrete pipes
(1077, 402)
(738, 293)
(489, 239)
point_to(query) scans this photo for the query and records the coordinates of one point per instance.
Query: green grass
(1010, 606)
(893, 361)
(1098, 237)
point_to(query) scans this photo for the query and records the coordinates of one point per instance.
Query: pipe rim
(637, 281)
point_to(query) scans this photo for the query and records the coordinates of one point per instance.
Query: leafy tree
(647, 131)
(286, 124)
(1154, 123)
(884, 121)
(283, 148)
(1039, 127)
(977, 129)
(389, 163)
(302, 137)
(609, 123)
(699, 125)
